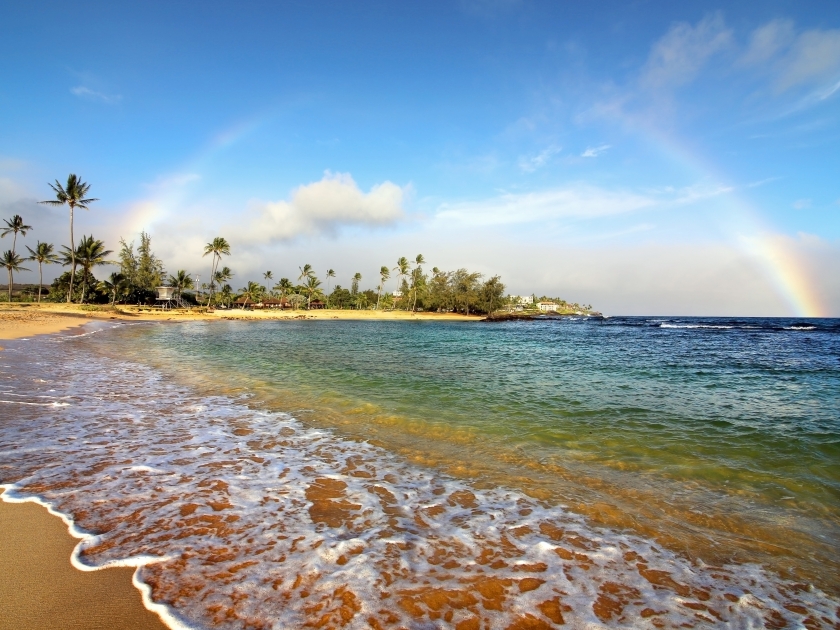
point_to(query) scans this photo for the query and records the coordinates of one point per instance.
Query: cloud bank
(323, 207)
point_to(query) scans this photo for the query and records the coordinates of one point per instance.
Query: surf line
(8, 494)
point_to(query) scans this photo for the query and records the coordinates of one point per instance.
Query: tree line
(141, 272)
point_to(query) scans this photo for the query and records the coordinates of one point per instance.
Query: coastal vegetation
(141, 273)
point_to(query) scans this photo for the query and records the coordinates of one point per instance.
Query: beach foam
(237, 517)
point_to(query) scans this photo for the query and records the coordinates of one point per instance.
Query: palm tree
(306, 272)
(90, 253)
(43, 253)
(354, 286)
(268, 276)
(73, 195)
(11, 262)
(14, 226)
(181, 280)
(284, 287)
(330, 274)
(384, 274)
(252, 292)
(416, 278)
(222, 276)
(402, 268)
(312, 286)
(218, 247)
(114, 283)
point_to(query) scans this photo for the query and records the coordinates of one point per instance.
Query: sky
(650, 158)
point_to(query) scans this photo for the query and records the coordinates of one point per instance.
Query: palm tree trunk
(84, 284)
(10, 285)
(72, 258)
(40, 279)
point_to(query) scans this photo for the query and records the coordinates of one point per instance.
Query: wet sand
(39, 588)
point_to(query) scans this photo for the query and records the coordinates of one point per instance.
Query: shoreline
(27, 319)
(42, 588)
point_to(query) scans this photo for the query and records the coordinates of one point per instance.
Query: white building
(548, 306)
(524, 299)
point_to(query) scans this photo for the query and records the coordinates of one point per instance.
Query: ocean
(643, 472)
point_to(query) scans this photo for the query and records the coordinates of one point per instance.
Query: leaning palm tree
(384, 274)
(113, 285)
(306, 272)
(72, 195)
(253, 291)
(90, 253)
(402, 269)
(13, 226)
(11, 262)
(218, 247)
(43, 254)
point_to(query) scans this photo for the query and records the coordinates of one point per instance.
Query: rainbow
(749, 232)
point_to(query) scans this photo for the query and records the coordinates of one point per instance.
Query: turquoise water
(718, 437)
(644, 472)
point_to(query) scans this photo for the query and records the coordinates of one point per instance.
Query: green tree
(90, 253)
(253, 291)
(44, 255)
(491, 295)
(180, 281)
(305, 272)
(218, 247)
(73, 195)
(417, 279)
(312, 288)
(284, 287)
(268, 276)
(330, 274)
(402, 271)
(465, 289)
(384, 274)
(12, 262)
(114, 285)
(354, 284)
(13, 226)
(150, 270)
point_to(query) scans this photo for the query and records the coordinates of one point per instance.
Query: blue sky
(645, 157)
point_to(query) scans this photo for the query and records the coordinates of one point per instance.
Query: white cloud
(323, 207)
(814, 57)
(801, 204)
(768, 40)
(807, 58)
(592, 152)
(531, 164)
(681, 53)
(576, 201)
(85, 92)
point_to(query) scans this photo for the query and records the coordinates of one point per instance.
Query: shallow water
(631, 472)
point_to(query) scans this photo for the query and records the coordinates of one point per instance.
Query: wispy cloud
(801, 204)
(578, 201)
(531, 164)
(592, 152)
(761, 182)
(92, 95)
(678, 57)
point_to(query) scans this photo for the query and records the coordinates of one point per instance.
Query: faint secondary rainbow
(779, 260)
(172, 193)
